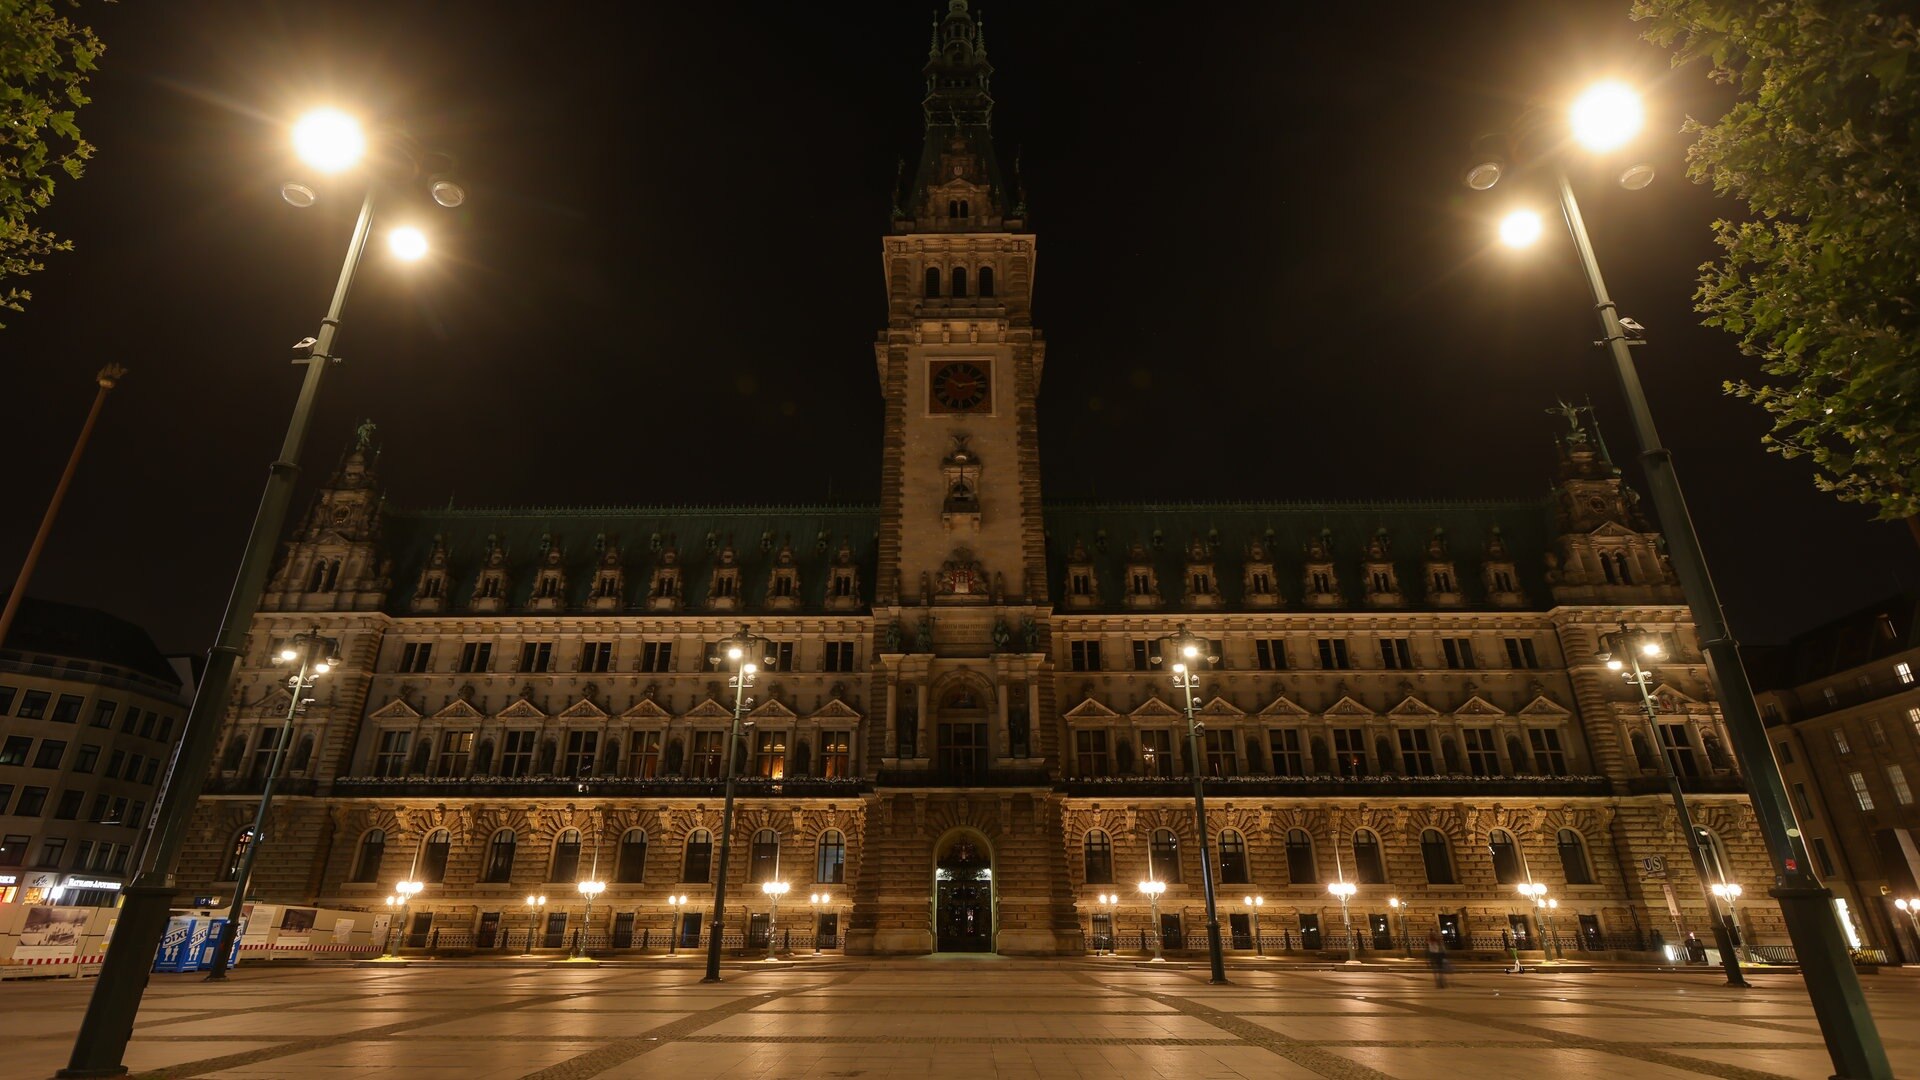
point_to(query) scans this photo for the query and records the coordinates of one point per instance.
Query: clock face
(960, 387)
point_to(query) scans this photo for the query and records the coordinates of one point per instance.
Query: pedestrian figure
(1437, 956)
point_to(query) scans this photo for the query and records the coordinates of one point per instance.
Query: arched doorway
(963, 896)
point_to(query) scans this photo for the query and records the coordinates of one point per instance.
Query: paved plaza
(974, 1016)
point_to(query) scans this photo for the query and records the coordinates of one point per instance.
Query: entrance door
(422, 926)
(1382, 932)
(826, 932)
(488, 934)
(1590, 933)
(623, 930)
(963, 900)
(689, 930)
(556, 935)
(1310, 933)
(758, 927)
(1240, 929)
(1450, 932)
(1171, 935)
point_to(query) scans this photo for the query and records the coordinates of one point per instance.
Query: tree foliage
(45, 58)
(1819, 282)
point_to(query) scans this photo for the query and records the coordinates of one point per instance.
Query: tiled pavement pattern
(952, 1017)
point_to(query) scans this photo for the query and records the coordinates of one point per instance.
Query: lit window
(1860, 792)
(1840, 743)
(1902, 794)
(1904, 672)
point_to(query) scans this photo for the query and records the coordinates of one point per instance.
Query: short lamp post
(1400, 909)
(535, 905)
(1729, 893)
(1110, 901)
(1534, 891)
(1345, 890)
(404, 892)
(817, 901)
(1911, 908)
(674, 904)
(1254, 904)
(588, 889)
(774, 890)
(1153, 889)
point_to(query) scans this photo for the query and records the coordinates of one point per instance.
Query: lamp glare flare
(329, 140)
(407, 243)
(1606, 116)
(1520, 228)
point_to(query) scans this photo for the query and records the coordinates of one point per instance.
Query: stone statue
(1029, 633)
(1002, 636)
(893, 635)
(1570, 412)
(363, 435)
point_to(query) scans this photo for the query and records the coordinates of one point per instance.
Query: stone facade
(963, 691)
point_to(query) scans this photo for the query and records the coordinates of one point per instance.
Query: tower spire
(958, 184)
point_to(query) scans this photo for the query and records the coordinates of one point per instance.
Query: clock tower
(959, 361)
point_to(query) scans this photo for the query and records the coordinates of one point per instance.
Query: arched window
(766, 856)
(986, 281)
(318, 579)
(1234, 869)
(1620, 565)
(933, 282)
(1099, 858)
(830, 861)
(1438, 855)
(631, 869)
(302, 754)
(1573, 858)
(1506, 857)
(1301, 869)
(566, 856)
(698, 863)
(242, 840)
(953, 208)
(1368, 867)
(1163, 856)
(366, 863)
(433, 856)
(959, 281)
(500, 858)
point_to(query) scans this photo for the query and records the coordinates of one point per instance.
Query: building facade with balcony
(90, 712)
(962, 739)
(1843, 706)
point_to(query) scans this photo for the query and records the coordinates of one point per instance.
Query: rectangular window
(6, 699)
(1333, 654)
(166, 729)
(1483, 755)
(1395, 654)
(129, 721)
(390, 759)
(1459, 653)
(1860, 792)
(33, 704)
(657, 656)
(82, 853)
(1090, 752)
(581, 746)
(782, 656)
(51, 751)
(706, 755)
(1913, 718)
(1549, 758)
(476, 656)
(1805, 804)
(1904, 673)
(1897, 779)
(15, 750)
(1416, 752)
(1288, 758)
(1520, 653)
(536, 656)
(1350, 752)
(1786, 752)
(152, 765)
(146, 724)
(6, 797)
(103, 713)
(596, 656)
(52, 850)
(1156, 752)
(1840, 744)
(1142, 654)
(839, 656)
(1821, 853)
(1679, 748)
(516, 753)
(643, 755)
(1876, 734)
(69, 805)
(99, 811)
(1831, 695)
(416, 657)
(33, 800)
(770, 754)
(67, 709)
(113, 762)
(456, 753)
(13, 849)
(1085, 655)
(1270, 654)
(836, 754)
(1223, 753)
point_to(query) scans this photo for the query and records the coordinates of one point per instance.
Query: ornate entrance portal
(963, 898)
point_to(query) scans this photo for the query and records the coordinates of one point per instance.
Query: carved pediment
(1346, 706)
(1090, 710)
(1478, 706)
(1283, 706)
(1155, 709)
(1613, 530)
(459, 709)
(772, 709)
(834, 709)
(522, 710)
(583, 710)
(1413, 706)
(1541, 706)
(709, 710)
(646, 709)
(1221, 707)
(394, 710)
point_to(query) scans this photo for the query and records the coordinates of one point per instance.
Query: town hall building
(963, 740)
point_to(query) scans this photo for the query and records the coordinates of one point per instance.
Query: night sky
(1260, 276)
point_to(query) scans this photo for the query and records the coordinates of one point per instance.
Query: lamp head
(735, 653)
(1485, 174)
(1653, 649)
(289, 653)
(1521, 228)
(1615, 665)
(1606, 116)
(407, 243)
(329, 140)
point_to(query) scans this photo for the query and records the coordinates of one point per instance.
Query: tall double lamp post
(329, 142)
(1187, 651)
(743, 653)
(1534, 153)
(316, 655)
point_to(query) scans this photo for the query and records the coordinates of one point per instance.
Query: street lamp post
(818, 901)
(1401, 910)
(1345, 890)
(1109, 901)
(1254, 904)
(1912, 910)
(403, 894)
(1604, 118)
(1153, 889)
(1730, 892)
(588, 889)
(674, 904)
(1634, 646)
(316, 655)
(330, 142)
(774, 890)
(745, 652)
(1189, 650)
(1543, 908)
(535, 905)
